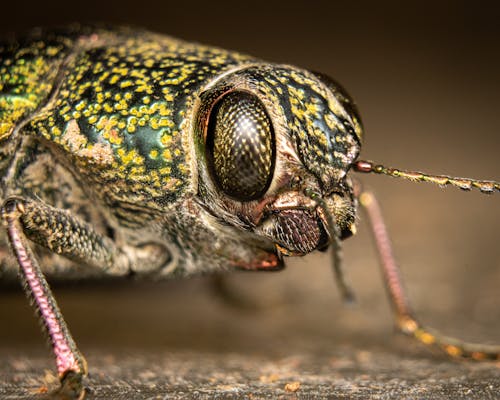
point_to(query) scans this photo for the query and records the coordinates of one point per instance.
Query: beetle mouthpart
(334, 237)
(295, 231)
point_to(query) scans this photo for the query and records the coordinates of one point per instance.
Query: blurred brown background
(427, 83)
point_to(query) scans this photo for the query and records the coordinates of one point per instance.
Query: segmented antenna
(487, 187)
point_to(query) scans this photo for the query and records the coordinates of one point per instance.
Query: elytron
(124, 152)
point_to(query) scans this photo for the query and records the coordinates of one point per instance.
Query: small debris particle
(227, 388)
(292, 386)
(269, 378)
(41, 390)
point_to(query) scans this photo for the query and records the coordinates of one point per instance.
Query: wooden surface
(177, 340)
(344, 373)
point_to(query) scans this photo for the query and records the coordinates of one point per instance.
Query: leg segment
(69, 360)
(405, 319)
(64, 234)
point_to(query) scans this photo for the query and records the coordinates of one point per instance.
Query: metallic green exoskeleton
(115, 124)
(126, 152)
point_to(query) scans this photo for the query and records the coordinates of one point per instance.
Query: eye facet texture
(240, 146)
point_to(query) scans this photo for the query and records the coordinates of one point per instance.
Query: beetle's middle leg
(64, 234)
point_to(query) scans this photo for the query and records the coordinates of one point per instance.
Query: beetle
(125, 152)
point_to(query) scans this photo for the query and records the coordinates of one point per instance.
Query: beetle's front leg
(64, 234)
(71, 365)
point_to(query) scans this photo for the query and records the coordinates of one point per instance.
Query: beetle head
(275, 144)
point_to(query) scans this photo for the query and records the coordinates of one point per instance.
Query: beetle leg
(64, 234)
(71, 365)
(406, 321)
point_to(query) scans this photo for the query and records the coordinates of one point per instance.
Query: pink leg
(71, 365)
(405, 319)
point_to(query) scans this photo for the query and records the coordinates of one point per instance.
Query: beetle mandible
(127, 152)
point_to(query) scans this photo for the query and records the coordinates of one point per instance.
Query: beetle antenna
(333, 232)
(487, 187)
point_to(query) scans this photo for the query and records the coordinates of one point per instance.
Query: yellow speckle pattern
(125, 92)
(124, 97)
(27, 75)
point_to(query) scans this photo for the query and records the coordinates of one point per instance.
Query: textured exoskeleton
(126, 152)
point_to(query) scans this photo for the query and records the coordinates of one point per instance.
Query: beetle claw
(71, 388)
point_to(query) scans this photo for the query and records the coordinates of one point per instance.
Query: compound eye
(240, 146)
